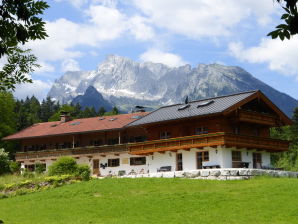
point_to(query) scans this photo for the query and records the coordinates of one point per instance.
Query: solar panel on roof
(183, 107)
(75, 123)
(205, 103)
(136, 117)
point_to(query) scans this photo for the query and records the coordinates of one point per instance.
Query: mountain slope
(92, 98)
(126, 83)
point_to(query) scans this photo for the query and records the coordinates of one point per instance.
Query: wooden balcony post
(73, 141)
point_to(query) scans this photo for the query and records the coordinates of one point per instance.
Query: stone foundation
(217, 174)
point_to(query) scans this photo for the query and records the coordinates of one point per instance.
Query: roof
(196, 108)
(76, 126)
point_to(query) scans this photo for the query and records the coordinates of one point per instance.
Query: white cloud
(157, 56)
(140, 29)
(44, 67)
(103, 24)
(204, 18)
(70, 65)
(38, 88)
(281, 56)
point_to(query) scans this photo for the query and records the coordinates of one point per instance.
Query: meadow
(260, 200)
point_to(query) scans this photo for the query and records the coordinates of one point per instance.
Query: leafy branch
(290, 17)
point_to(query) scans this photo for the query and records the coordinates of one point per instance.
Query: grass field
(262, 200)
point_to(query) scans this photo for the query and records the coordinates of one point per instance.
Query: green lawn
(262, 200)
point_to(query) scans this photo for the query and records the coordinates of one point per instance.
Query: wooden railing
(89, 150)
(212, 139)
(255, 117)
(172, 144)
(256, 142)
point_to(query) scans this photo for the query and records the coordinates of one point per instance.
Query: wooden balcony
(257, 118)
(86, 151)
(212, 140)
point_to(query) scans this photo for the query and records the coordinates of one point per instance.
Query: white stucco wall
(217, 156)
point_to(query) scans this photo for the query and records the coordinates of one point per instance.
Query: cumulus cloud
(70, 65)
(157, 56)
(204, 18)
(281, 56)
(44, 68)
(140, 28)
(104, 23)
(38, 88)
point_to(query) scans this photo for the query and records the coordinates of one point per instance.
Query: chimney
(64, 116)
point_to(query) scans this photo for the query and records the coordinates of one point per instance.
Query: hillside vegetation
(261, 200)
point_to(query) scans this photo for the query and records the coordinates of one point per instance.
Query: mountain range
(122, 82)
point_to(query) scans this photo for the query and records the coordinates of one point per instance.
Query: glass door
(179, 161)
(257, 160)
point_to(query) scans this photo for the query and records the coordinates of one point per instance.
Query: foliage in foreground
(159, 200)
(34, 185)
(69, 166)
(20, 22)
(287, 160)
(290, 17)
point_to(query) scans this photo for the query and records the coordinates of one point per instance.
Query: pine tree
(115, 111)
(101, 111)
(93, 112)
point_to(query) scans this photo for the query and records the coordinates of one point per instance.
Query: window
(140, 138)
(255, 132)
(236, 130)
(165, 135)
(202, 157)
(179, 161)
(236, 156)
(201, 130)
(135, 161)
(113, 141)
(25, 148)
(113, 162)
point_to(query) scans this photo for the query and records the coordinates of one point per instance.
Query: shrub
(63, 165)
(4, 162)
(26, 173)
(15, 167)
(83, 171)
(40, 168)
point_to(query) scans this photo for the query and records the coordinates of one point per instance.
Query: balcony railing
(71, 152)
(255, 117)
(212, 139)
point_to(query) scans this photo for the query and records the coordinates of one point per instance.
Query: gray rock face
(126, 83)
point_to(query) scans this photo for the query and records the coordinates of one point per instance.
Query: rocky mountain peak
(126, 83)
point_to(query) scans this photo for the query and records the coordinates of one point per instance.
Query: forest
(19, 114)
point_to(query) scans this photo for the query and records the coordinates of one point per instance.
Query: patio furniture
(164, 169)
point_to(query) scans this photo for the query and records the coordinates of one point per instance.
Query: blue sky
(174, 32)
